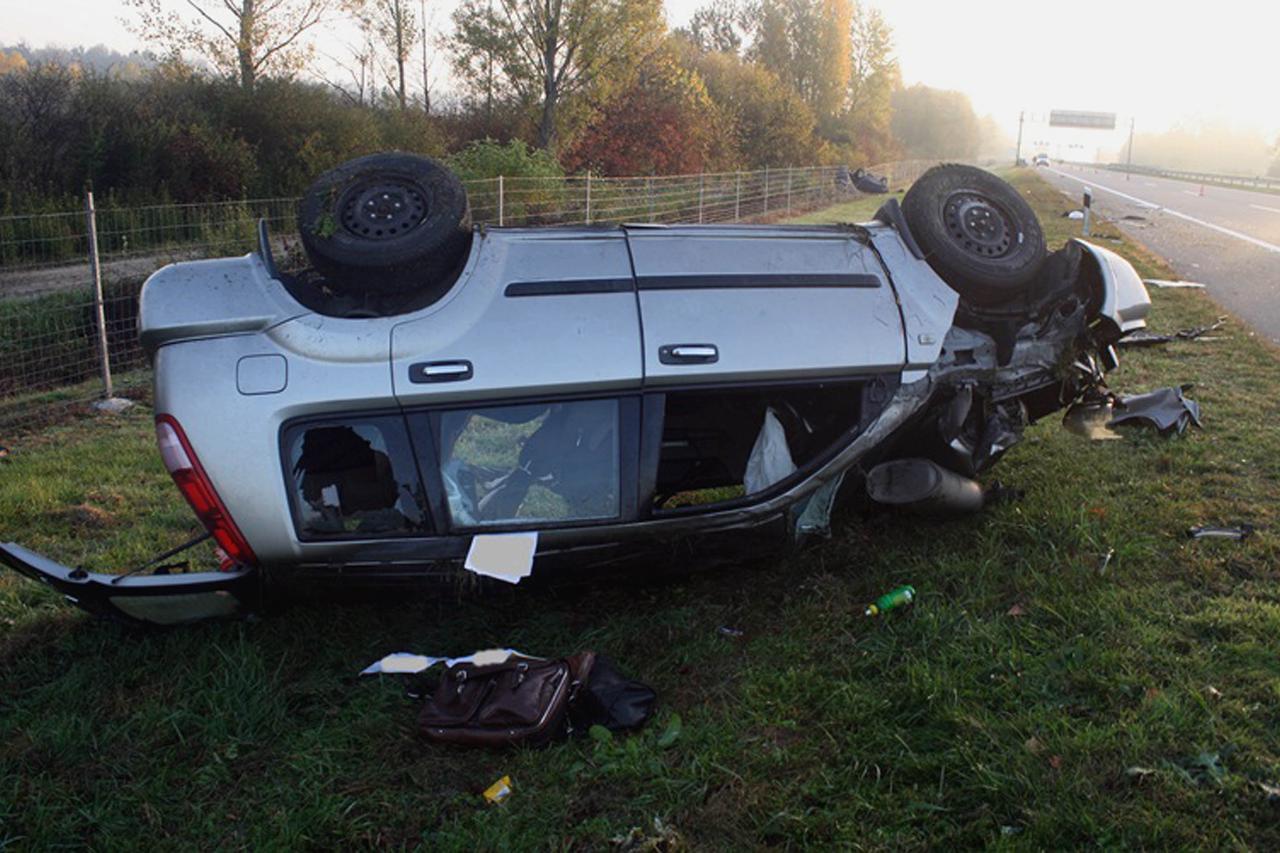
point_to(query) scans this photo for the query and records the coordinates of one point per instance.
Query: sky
(1158, 64)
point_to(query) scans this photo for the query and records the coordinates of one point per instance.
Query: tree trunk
(426, 80)
(550, 87)
(244, 47)
(400, 51)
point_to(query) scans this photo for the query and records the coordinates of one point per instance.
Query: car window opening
(719, 446)
(531, 463)
(349, 480)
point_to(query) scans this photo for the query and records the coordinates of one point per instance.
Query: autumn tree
(721, 25)
(546, 51)
(245, 39)
(766, 122)
(873, 77)
(806, 44)
(663, 123)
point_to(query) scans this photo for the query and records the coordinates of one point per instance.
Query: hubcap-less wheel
(978, 224)
(383, 209)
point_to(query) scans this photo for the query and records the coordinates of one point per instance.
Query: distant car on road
(1041, 160)
(633, 394)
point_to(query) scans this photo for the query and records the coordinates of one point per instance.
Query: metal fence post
(737, 197)
(789, 189)
(588, 196)
(701, 187)
(648, 191)
(766, 190)
(91, 221)
(501, 201)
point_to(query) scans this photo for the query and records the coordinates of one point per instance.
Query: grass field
(1028, 699)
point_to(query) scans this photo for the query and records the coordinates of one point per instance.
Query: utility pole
(1017, 157)
(1128, 161)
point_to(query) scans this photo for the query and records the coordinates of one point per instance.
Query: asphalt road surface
(1228, 239)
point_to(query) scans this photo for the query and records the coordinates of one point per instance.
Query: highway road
(1228, 239)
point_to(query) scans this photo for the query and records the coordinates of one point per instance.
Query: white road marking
(1192, 192)
(1270, 247)
(1264, 207)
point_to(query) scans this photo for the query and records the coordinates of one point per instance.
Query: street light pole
(1128, 165)
(1017, 156)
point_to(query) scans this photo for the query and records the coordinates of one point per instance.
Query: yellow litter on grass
(498, 791)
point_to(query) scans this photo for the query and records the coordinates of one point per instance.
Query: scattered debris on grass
(1238, 533)
(1017, 611)
(1214, 693)
(663, 839)
(498, 791)
(114, 405)
(726, 631)
(1139, 774)
(1106, 561)
(1073, 214)
(1272, 792)
(1166, 284)
(1166, 409)
(900, 597)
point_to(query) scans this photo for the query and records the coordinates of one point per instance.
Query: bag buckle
(522, 669)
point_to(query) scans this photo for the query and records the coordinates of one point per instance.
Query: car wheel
(977, 233)
(386, 224)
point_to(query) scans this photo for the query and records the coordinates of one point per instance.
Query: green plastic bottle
(899, 597)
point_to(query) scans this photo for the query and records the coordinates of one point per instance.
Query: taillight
(194, 484)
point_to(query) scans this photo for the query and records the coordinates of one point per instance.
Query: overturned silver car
(622, 392)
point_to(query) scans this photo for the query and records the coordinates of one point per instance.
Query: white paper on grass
(770, 461)
(505, 556)
(407, 663)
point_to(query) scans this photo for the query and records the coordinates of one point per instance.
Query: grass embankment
(1012, 705)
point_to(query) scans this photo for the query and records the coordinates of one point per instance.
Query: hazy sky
(1159, 62)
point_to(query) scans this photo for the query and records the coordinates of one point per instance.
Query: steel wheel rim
(383, 209)
(979, 225)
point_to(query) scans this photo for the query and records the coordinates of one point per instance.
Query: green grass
(962, 721)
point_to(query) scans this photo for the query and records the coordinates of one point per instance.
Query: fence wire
(50, 357)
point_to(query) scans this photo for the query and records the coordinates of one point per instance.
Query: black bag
(530, 702)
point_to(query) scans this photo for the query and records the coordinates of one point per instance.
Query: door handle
(689, 354)
(440, 371)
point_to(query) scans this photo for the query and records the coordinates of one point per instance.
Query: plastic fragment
(1238, 533)
(498, 791)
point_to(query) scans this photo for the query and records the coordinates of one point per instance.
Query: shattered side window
(724, 445)
(545, 462)
(354, 479)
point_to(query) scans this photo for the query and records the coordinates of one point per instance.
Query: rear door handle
(689, 354)
(440, 371)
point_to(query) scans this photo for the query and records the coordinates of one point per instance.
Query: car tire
(976, 232)
(386, 224)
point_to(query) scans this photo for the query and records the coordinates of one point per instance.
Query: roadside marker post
(1088, 208)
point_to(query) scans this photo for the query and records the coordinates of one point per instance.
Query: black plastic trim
(734, 281)
(568, 288)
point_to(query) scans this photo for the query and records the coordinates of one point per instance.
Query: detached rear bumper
(157, 599)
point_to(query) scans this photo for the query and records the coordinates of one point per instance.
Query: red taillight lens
(185, 469)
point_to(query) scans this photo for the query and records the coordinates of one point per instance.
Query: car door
(522, 386)
(536, 313)
(762, 303)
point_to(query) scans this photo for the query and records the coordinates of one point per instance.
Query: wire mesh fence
(51, 340)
